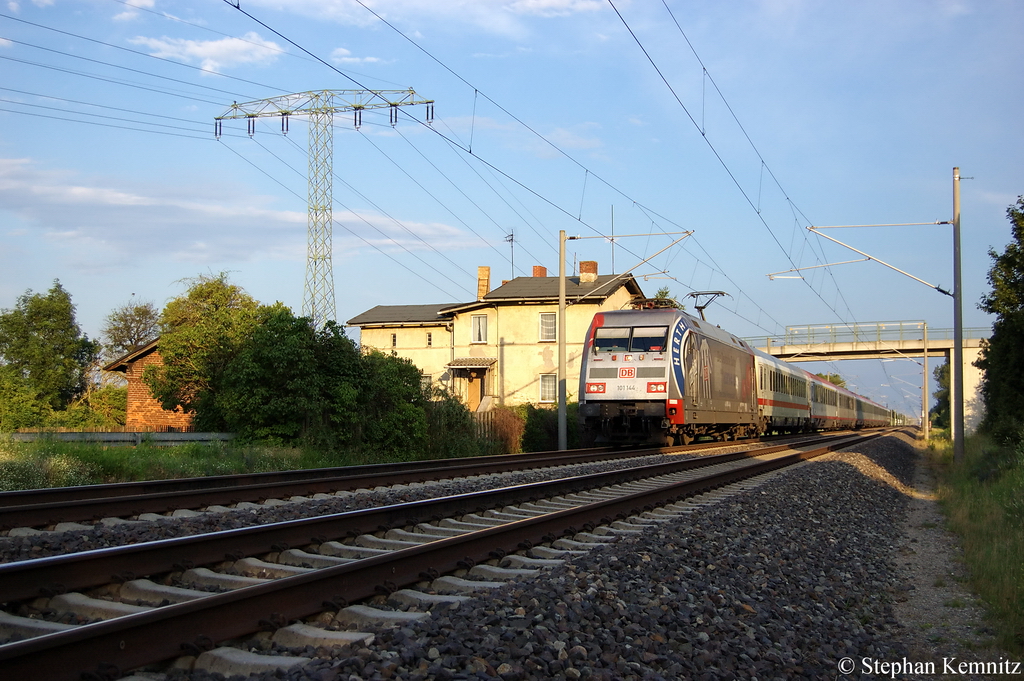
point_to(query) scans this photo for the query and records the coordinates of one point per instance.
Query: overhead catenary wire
(732, 175)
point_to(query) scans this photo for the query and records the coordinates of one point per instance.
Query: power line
(106, 125)
(346, 227)
(114, 118)
(136, 52)
(113, 81)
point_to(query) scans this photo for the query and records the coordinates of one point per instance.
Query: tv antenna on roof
(511, 239)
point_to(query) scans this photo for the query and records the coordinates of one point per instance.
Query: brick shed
(144, 413)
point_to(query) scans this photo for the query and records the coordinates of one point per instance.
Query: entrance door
(477, 381)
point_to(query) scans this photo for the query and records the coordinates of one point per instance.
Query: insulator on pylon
(430, 112)
(357, 118)
(251, 120)
(284, 124)
(218, 128)
(394, 115)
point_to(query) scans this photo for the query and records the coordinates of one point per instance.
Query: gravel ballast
(778, 582)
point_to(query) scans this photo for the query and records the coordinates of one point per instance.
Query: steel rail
(143, 487)
(89, 509)
(106, 649)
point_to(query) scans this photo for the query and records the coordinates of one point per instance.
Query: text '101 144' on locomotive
(658, 375)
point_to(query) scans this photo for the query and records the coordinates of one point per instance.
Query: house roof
(398, 315)
(519, 290)
(545, 289)
(121, 363)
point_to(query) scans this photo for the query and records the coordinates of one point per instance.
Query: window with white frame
(479, 328)
(548, 387)
(394, 340)
(548, 326)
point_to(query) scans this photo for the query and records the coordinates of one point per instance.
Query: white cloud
(567, 139)
(504, 17)
(343, 56)
(551, 8)
(5, 43)
(98, 226)
(214, 55)
(132, 9)
(43, 3)
(13, 7)
(95, 226)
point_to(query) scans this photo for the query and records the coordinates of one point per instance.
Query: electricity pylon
(320, 106)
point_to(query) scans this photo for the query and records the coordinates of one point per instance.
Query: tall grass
(49, 463)
(983, 498)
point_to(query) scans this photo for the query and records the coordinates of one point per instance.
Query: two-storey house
(502, 347)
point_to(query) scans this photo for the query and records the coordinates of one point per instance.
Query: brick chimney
(483, 281)
(588, 271)
(540, 271)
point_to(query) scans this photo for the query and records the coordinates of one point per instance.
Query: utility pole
(958, 330)
(563, 427)
(925, 422)
(320, 106)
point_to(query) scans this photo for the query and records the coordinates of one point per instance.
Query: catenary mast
(320, 106)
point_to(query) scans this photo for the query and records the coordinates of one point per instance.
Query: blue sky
(755, 120)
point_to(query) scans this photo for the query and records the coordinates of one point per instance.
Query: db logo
(627, 372)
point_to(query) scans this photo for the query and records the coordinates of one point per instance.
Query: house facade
(501, 348)
(144, 413)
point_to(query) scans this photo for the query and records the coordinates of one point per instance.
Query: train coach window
(611, 339)
(649, 339)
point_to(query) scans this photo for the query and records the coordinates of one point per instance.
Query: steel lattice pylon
(320, 106)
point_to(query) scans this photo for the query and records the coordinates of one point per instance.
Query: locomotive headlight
(595, 388)
(657, 387)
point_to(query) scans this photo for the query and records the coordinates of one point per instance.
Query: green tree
(834, 379)
(1002, 356)
(20, 405)
(289, 382)
(664, 294)
(129, 327)
(940, 412)
(42, 344)
(200, 333)
(393, 404)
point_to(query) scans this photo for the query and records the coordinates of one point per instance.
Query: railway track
(57, 507)
(339, 560)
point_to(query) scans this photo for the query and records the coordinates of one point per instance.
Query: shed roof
(122, 362)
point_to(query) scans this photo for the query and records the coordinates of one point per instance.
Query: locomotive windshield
(624, 339)
(649, 339)
(611, 339)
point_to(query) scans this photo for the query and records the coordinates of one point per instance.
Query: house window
(430, 339)
(394, 340)
(548, 387)
(548, 324)
(479, 328)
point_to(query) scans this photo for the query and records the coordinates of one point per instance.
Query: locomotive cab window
(611, 339)
(649, 339)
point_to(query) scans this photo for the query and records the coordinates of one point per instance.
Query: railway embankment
(831, 567)
(782, 581)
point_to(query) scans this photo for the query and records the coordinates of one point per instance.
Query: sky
(745, 122)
